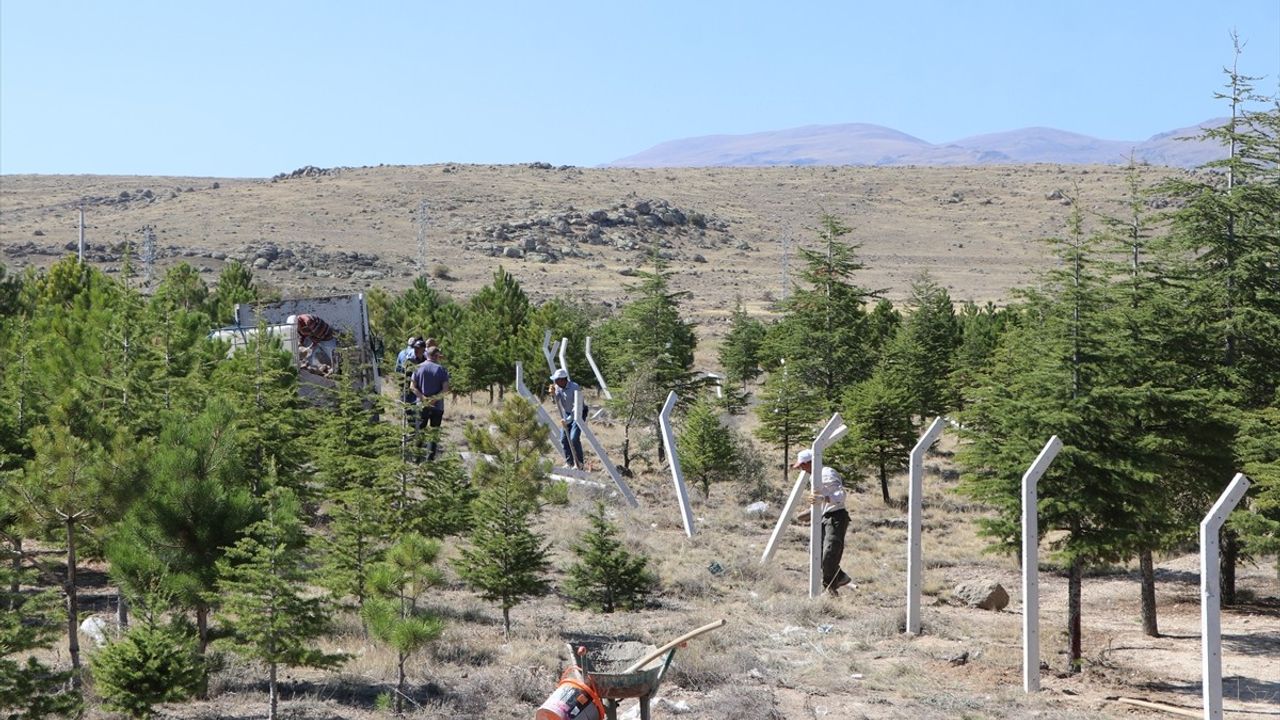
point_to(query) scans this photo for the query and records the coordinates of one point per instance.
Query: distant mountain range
(864, 144)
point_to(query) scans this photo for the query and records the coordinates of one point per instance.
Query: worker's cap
(291, 320)
(418, 343)
(802, 457)
(413, 340)
(560, 374)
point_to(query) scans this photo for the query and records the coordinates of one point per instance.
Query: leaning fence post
(677, 476)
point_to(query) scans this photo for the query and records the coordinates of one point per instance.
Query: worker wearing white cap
(835, 521)
(565, 393)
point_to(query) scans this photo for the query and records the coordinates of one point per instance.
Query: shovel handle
(683, 638)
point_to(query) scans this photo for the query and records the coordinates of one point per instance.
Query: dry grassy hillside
(975, 229)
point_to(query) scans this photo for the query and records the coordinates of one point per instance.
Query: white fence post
(787, 509)
(600, 452)
(543, 417)
(785, 517)
(677, 476)
(815, 519)
(562, 347)
(1031, 566)
(915, 508)
(547, 351)
(1210, 601)
(595, 369)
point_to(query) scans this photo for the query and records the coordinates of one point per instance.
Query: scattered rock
(982, 594)
(95, 629)
(261, 263)
(958, 660)
(757, 509)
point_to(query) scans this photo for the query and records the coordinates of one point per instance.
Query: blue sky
(238, 88)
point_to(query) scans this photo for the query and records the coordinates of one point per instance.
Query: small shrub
(441, 272)
(607, 576)
(555, 493)
(151, 664)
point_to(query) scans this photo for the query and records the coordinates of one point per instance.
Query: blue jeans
(571, 444)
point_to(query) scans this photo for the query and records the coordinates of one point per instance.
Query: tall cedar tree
(649, 329)
(708, 453)
(360, 520)
(933, 333)
(1049, 377)
(1175, 433)
(505, 560)
(1227, 222)
(980, 329)
(394, 611)
(824, 334)
(267, 608)
(606, 576)
(196, 505)
(881, 434)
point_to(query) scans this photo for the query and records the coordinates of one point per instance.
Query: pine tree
(505, 560)
(881, 435)
(436, 498)
(824, 334)
(494, 327)
(422, 311)
(789, 410)
(360, 521)
(1260, 453)
(933, 334)
(196, 506)
(154, 662)
(397, 587)
(1227, 222)
(649, 329)
(606, 576)
(980, 330)
(262, 583)
(706, 445)
(519, 446)
(634, 405)
(80, 477)
(235, 286)
(28, 622)
(740, 351)
(1051, 376)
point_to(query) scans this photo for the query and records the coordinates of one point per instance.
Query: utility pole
(80, 245)
(786, 264)
(148, 253)
(422, 238)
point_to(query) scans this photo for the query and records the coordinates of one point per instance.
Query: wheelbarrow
(606, 672)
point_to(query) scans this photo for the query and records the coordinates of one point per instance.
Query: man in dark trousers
(835, 521)
(565, 393)
(430, 383)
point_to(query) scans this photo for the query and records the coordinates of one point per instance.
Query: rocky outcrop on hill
(641, 225)
(306, 171)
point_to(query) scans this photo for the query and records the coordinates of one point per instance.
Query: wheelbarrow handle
(683, 638)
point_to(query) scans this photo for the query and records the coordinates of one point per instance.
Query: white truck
(355, 347)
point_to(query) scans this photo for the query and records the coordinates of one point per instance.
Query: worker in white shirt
(565, 394)
(835, 521)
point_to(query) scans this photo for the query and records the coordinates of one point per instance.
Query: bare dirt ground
(781, 655)
(976, 230)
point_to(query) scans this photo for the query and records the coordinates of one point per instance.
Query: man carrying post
(429, 384)
(835, 521)
(565, 393)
